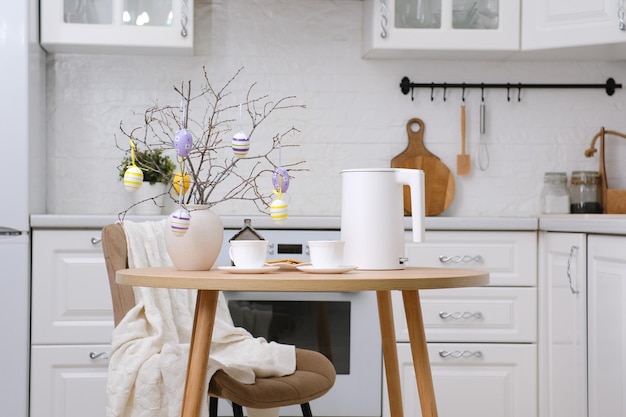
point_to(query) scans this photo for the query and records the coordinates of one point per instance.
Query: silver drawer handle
(96, 240)
(569, 269)
(101, 355)
(457, 259)
(460, 354)
(461, 315)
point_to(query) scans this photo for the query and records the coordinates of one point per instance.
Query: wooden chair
(314, 375)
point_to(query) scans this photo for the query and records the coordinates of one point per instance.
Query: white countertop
(583, 223)
(56, 221)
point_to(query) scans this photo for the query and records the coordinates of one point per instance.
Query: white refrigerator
(22, 169)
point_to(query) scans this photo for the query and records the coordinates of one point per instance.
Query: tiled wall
(355, 114)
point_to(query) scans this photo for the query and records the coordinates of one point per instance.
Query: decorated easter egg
(133, 178)
(278, 210)
(176, 182)
(183, 141)
(241, 144)
(280, 180)
(180, 221)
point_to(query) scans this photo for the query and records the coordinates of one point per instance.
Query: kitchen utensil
(482, 161)
(463, 162)
(439, 181)
(372, 221)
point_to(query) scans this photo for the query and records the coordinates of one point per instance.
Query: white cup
(248, 253)
(326, 253)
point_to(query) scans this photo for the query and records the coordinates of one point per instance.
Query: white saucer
(328, 270)
(239, 270)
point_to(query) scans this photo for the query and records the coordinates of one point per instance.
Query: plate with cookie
(287, 263)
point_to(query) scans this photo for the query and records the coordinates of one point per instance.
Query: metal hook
(412, 98)
(445, 87)
(508, 92)
(432, 92)
(463, 93)
(519, 92)
(482, 92)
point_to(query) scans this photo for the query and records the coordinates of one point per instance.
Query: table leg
(202, 332)
(390, 353)
(419, 352)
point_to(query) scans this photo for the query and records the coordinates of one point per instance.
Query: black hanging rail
(407, 86)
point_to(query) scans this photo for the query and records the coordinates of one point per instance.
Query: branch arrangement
(216, 173)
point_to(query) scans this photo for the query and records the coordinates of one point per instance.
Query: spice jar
(584, 192)
(555, 195)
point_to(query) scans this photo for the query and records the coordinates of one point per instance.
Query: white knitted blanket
(150, 346)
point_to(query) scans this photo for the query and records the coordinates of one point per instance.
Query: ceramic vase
(199, 247)
(144, 194)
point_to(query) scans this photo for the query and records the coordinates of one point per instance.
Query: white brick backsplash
(355, 117)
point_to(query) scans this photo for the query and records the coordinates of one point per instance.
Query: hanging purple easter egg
(183, 142)
(280, 180)
(241, 144)
(179, 222)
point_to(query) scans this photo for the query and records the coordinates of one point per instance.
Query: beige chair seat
(314, 376)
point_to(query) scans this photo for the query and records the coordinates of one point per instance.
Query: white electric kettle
(372, 215)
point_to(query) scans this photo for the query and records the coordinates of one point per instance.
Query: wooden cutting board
(438, 179)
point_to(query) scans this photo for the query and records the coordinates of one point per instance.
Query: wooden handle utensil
(463, 162)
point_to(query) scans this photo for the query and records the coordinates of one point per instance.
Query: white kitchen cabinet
(71, 299)
(607, 325)
(117, 26)
(482, 341)
(72, 320)
(486, 380)
(68, 381)
(562, 355)
(561, 24)
(424, 28)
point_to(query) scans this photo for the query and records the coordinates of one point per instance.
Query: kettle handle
(414, 178)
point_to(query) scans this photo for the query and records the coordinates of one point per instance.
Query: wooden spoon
(463, 162)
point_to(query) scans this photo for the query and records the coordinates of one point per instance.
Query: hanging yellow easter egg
(133, 178)
(178, 178)
(278, 210)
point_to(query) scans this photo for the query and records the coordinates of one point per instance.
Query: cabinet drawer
(487, 380)
(67, 382)
(510, 257)
(71, 299)
(473, 315)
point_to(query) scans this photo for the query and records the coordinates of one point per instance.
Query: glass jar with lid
(585, 192)
(555, 195)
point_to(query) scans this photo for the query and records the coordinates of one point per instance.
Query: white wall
(355, 117)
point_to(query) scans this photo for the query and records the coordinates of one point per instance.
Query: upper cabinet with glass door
(145, 27)
(441, 28)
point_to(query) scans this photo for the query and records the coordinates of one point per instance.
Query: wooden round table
(410, 281)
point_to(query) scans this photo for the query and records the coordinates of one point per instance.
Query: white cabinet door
(562, 325)
(607, 325)
(71, 299)
(435, 28)
(67, 382)
(549, 24)
(490, 314)
(117, 26)
(486, 380)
